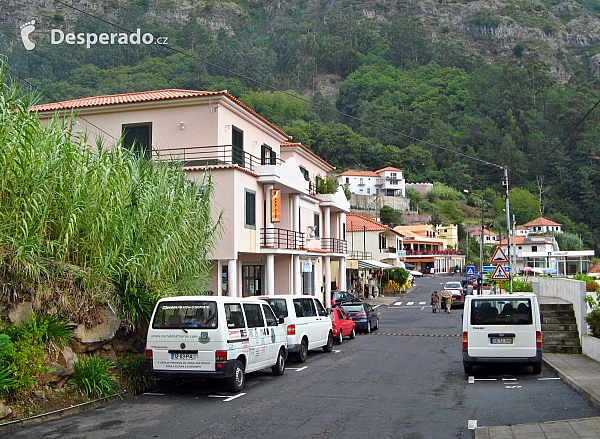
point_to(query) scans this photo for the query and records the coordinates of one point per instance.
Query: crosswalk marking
(397, 303)
(410, 303)
(421, 303)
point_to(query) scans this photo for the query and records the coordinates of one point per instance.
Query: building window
(237, 147)
(252, 281)
(361, 181)
(382, 242)
(347, 180)
(267, 156)
(137, 137)
(534, 248)
(316, 224)
(305, 173)
(250, 209)
(368, 190)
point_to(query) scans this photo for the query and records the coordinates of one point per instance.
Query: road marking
(231, 398)
(544, 379)
(154, 394)
(514, 387)
(337, 351)
(509, 379)
(422, 308)
(472, 424)
(410, 303)
(398, 303)
(218, 396)
(377, 306)
(485, 379)
(471, 380)
(297, 369)
(422, 303)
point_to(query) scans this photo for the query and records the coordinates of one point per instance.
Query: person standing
(435, 302)
(447, 297)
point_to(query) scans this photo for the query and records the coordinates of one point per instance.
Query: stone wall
(368, 202)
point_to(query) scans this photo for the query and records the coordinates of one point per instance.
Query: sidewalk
(581, 373)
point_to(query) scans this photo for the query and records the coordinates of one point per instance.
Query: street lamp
(479, 284)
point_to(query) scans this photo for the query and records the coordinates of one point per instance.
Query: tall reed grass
(80, 229)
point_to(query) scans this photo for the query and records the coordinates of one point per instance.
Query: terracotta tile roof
(417, 227)
(359, 223)
(595, 268)
(359, 174)
(389, 168)
(145, 96)
(522, 240)
(298, 144)
(485, 232)
(541, 221)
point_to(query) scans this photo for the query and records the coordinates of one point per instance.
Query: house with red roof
(278, 234)
(388, 181)
(543, 225)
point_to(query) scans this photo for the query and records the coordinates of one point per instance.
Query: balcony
(333, 245)
(360, 255)
(213, 156)
(282, 239)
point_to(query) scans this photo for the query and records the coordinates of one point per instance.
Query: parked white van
(307, 323)
(214, 337)
(504, 328)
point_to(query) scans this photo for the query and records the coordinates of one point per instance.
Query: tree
(390, 216)
(524, 205)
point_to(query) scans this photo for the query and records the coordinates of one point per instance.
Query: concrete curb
(572, 383)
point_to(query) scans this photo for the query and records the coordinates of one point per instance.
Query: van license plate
(183, 356)
(501, 340)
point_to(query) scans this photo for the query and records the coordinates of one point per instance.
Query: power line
(263, 84)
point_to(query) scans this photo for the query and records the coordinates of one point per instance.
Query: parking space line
(551, 378)
(485, 379)
(231, 398)
(297, 369)
(509, 379)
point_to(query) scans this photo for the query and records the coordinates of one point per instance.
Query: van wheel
(279, 367)
(329, 346)
(303, 352)
(468, 369)
(340, 338)
(236, 382)
(537, 368)
(353, 334)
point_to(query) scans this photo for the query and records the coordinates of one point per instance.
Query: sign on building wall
(306, 267)
(275, 205)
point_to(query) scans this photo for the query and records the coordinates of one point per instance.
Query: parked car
(342, 323)
(364, 315)
(338, 297)
(214, 337)
(306, 321)
(458, 298)
(416, 273)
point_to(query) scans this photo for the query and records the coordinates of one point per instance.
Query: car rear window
(188, 314)
(501, 312)
(452, 285)
(279, 306)
(353, 308)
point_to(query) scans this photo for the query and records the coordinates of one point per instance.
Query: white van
(504, 328)
(214, 337)
(307, 323)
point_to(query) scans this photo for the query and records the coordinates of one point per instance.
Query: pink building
(297, 247)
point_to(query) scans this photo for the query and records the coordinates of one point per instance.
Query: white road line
(514, 387)
(471, 380)
(422, 308)
(509, 379)
(298, 369)
(397, 303)
(410, 303)
(485, 379)
(336, 351)
(377, 306)
(154, 394)
(218, 396)
(231, 398)
(472, 424)
(545, 379)
(422, 303)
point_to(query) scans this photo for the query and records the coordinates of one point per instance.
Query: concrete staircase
(559, 330)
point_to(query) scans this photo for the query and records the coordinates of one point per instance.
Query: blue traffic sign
(471, 270)
(487, 268)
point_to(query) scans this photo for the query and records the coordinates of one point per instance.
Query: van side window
(269, 316)
(279, 306)
(305, 308)
(320, 308)
(234, 315)
(253, 315)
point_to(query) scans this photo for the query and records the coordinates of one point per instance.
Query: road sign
(487, 268)
(500, 273)
(471, 270)
(499, 256)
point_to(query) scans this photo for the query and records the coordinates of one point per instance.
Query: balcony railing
(216, 155)
(434, 252)
(282, 238)
(333, 245)
(360, 255)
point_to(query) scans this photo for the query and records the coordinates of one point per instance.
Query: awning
(373, 265)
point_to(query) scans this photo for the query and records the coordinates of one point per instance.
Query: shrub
(326, 185)
(522, 286)
(132, 369)
(92, 377)
(29, 365)
(48, 328)
(593, 319)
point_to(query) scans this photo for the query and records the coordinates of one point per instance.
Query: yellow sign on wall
(275, 205)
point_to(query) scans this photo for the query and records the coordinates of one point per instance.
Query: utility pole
(505, 184)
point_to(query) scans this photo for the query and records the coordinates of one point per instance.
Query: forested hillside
(503, 81)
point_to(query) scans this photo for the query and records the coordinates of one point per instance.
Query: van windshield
(501, 312)
(189, 314)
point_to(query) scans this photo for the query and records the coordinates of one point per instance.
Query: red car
(342, 323)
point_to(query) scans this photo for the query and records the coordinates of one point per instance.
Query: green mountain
(505, 82)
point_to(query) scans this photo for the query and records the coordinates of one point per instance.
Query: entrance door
(252, 280)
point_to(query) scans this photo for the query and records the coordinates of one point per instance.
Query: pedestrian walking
(447, 297)
(435, 302)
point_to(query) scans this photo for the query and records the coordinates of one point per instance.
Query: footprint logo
(26, 30)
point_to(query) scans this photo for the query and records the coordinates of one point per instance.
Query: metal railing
(215, 155)
(360, 255)
(333, 245)
(282, 238)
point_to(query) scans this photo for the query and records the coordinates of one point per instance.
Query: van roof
(221, 299)
(286, 296)
(503, 296)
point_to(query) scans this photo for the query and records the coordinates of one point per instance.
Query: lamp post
(479, 284)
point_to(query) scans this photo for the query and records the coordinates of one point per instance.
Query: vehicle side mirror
(280, 320)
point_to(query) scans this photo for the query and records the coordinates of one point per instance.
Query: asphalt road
(383, 385)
